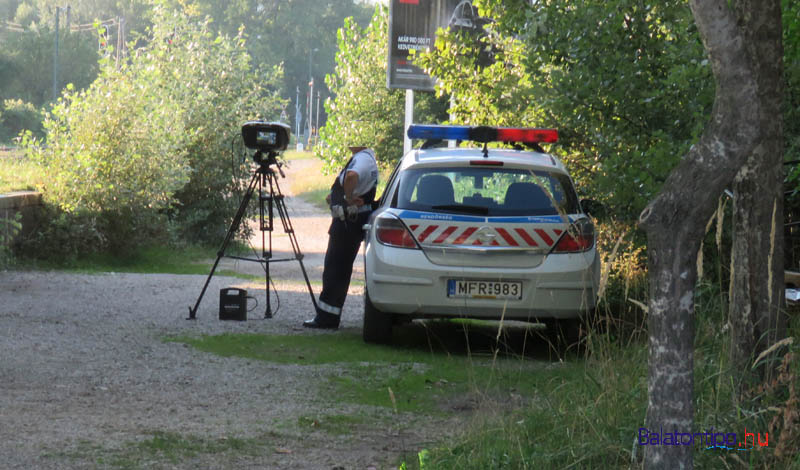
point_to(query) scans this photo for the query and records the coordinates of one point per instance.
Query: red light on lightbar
(530, 135)
(486, 163)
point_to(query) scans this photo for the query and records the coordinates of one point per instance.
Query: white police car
(483, 233)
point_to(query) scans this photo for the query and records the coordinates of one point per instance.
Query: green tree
(363, 111)
(26, 63)
(292, 33)
(18, 116)
(27, 52)
(151, 139)
(625, 82)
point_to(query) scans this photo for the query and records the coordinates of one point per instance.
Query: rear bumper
(403, 281)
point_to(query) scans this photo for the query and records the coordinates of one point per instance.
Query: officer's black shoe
(323, 320)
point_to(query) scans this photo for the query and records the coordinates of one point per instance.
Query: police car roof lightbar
(483, 134)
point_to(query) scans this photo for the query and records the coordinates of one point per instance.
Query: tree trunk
(675, 222)
(757, 309)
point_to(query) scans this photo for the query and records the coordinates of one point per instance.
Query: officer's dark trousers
(344, 239)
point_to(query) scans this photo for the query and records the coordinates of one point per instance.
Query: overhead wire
(16, 27)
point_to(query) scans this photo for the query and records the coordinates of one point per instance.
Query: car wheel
(377, 325)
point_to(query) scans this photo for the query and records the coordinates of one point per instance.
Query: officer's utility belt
(337, 196)
(337, 192)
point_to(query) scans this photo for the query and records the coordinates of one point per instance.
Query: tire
(377, 325)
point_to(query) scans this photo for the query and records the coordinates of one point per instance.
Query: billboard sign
(412, 26)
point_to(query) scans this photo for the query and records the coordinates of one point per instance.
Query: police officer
(350, 199)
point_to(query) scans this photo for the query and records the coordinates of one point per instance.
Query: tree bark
(757, 304)
(675, 223)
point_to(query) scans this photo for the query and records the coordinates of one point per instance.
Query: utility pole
(58, 11)
(316, 125)
(120, 38)
(298, 115)
(310, 110)
(310, 96)
(55, 57)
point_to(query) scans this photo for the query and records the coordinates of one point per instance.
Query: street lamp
(298, 118)
(310, 96)
(316, 125)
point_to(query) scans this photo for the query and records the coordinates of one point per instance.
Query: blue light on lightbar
(528, 135)
(431, 132)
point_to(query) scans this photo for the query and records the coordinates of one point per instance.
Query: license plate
(473, 289)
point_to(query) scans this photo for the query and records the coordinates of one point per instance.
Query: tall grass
(17, 173)
(592, 420)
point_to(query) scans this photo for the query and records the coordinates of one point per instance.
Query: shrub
(9, 228)
(362, 110)
(143, 151)
(18, 116)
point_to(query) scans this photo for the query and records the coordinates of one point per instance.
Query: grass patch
(525, 408)
(163, 448)
(591, 419)
(154, 259)
(438, 370)
(336, 425)
(18, 173)
(586, 418)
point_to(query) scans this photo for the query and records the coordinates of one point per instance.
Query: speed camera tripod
(270, 199)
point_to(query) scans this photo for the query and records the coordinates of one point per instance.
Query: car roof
(512, 158)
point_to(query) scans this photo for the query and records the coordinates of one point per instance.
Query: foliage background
(144, 152)
(362, 110)
(626, 83)
(298, 35)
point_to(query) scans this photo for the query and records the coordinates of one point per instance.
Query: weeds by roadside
(18, 173)
(9, 228)
(594, 418)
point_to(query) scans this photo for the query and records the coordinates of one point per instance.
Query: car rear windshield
(486, 191)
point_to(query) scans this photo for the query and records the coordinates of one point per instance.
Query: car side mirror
(594, 208)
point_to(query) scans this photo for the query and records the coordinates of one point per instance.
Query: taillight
(391, 231)
(579, 238)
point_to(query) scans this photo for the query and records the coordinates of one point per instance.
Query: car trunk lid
(476, 241)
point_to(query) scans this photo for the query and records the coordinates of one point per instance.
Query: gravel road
(85, 370)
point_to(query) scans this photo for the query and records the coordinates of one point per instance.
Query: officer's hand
(356, 201)
(351, 211)
(337, 212)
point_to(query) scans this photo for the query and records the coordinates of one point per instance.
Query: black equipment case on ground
(233, 304)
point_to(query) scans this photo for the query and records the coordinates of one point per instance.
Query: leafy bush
(143, 151)
(9, 228)
(363, 111)
(625, 83)
(18, 116)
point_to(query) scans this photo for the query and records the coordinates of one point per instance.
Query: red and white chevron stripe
(512, 235)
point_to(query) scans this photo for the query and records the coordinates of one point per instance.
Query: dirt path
(85, 370)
